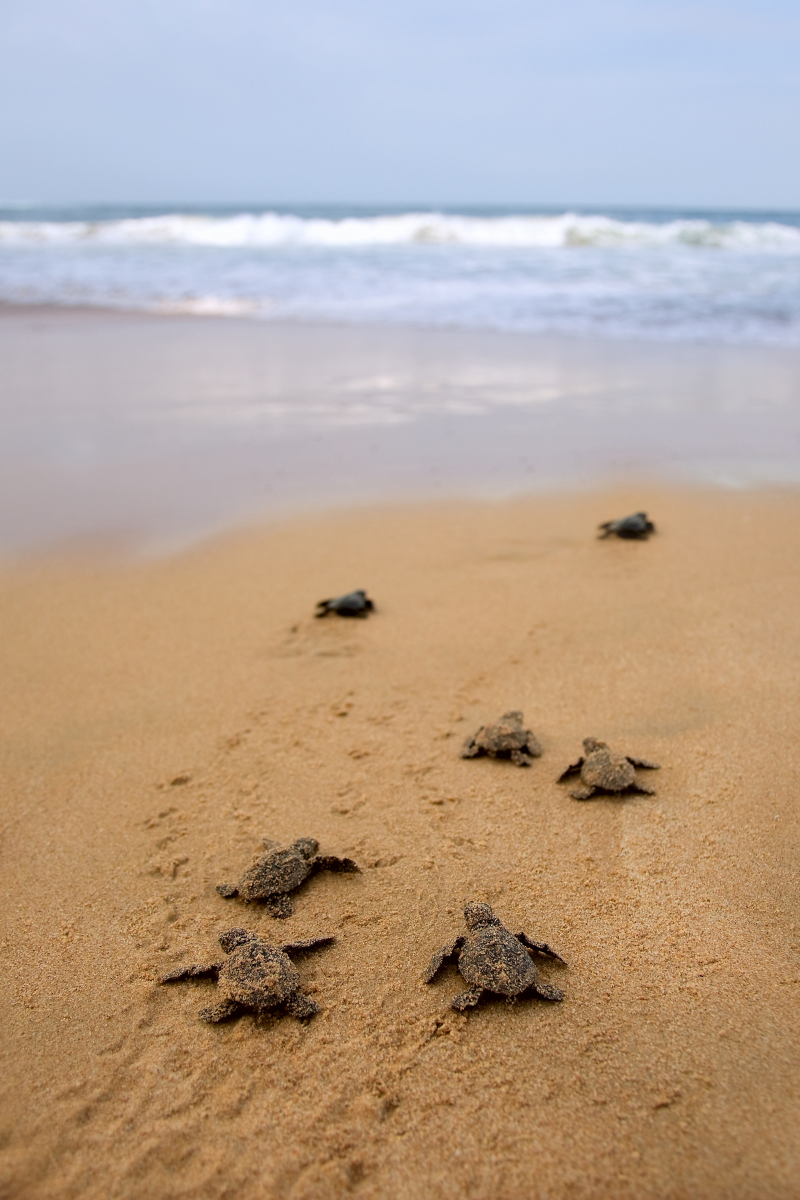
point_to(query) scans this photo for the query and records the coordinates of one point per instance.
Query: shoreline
(160, 717)
(118, 425)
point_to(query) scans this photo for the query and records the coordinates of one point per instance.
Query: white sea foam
(415, 228)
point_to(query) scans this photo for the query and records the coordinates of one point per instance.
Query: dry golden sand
(671, 1070)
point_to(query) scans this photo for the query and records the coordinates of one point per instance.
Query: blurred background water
(675, 275)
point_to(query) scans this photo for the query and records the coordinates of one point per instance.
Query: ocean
(665, 275)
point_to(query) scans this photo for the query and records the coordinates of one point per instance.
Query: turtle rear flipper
(279, 906)
(220, 1012)
(466, 999)
(228, 890)
(584, 793)
(302, 1007)
(546, 991)
(643, 788)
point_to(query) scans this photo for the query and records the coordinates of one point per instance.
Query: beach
(163, 713)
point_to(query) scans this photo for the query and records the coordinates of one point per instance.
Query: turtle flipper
(466, 999)
(520, 758)
(584, 793)
(439, 957)
(606, 527)
(308, 944)
(301, 1006)
(220, 1012)
(643, 762)
(642, 787)
(228, 890)
(547, 992)
(539, 947)
(329, 862)
(279, 906)
(572, 769)
(533, 746)
(471, 749)
(195, 971)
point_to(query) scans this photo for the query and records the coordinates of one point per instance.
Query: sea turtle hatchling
(354, 604)
(634, 526)
(277, 872)
(255, 975)
(603, 770)
(506, 739)
(492, 959)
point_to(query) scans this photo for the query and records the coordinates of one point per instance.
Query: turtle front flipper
(471, 749)
(308, 944)
(220, 1012)
(195, 971)
(532, 746)
(520, 758)
(439, 957)
(329, 862)
(228, 890)
(642, 762)
(583, 793)
(572, 769)
(301, 1006)
(641, 787)
(546, 991)
(466, 999)
(279, 906)
(539, 947)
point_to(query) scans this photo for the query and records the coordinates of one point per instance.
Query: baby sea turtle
(274, 874)
(354, 604)
(492, 959)
(506, 739)
(634, 526)
(254, 975)
(603, 770)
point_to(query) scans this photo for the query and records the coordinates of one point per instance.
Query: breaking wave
(272, 229)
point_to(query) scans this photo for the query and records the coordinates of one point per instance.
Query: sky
(623, 102)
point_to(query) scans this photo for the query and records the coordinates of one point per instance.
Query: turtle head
(478, 916)
(232, 938)
(592, 744)
(307, 847)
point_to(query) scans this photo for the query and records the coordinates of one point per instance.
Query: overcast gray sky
(687, 102)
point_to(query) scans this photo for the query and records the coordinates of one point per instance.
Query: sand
(159, 718)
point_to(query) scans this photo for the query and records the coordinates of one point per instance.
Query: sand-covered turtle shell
(605, 768)
(258, 975)
(508, 738)
(494, 959)
(275, 873)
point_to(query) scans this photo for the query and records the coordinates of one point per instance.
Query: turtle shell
(274, 873)
(258, 976)
(494, 959)
(507, 735)
(607, 770)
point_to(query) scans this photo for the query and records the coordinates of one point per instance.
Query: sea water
(656, 275)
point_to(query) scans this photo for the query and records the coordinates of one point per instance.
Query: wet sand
(160, 718)
(156, 430)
